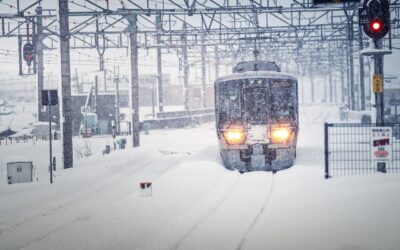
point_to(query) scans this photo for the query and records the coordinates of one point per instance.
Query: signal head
(376, 25)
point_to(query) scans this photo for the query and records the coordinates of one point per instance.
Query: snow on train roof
(255, 74)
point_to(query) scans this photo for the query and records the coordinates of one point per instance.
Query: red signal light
(376, 25)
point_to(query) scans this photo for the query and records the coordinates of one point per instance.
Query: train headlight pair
(281, 134)
(234, 134)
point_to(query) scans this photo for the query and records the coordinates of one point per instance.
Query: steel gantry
(312, 40)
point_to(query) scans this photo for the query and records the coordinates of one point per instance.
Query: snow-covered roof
(43, 123)
(255, 74)
(16, 158)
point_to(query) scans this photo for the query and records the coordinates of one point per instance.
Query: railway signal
(376, 18)
(28, 53)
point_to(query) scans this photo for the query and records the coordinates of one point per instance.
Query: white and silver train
(257, 117)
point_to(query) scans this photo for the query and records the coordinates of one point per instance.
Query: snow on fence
(352, 149)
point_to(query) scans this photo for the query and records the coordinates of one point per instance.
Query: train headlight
(234, 135)
(280, 135)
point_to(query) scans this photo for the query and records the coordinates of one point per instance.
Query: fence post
(326, 152)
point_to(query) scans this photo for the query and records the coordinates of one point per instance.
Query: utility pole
(39, 61)
(185, 68)
(159, 65)
(65, 84)
(203, 71)
(133, 31)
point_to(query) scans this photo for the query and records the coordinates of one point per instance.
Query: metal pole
(133, 30)
(159, 64)
(326, 149)
(342, 91)
(34, 40)
(203, 72)
(330, 78)
(96, 93)
(65, 84)
(335, 91)
(185, 68)
(153, 101)
(50, 146)
(20, 55)
(105, 80)
(312, 82)
(354, 104)
(216, 62)
(361, 61)
(351, 61)
(116, 79)
(378, 70)
(39, 61)
(325, 90)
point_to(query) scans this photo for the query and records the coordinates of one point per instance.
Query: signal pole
(378, 89)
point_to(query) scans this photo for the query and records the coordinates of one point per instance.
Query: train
(257, 117)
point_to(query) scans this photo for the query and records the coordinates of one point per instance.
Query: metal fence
(350, 149)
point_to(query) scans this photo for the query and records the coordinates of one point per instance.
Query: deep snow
(196, 203)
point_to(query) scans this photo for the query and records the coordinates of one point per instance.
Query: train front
(257, 120)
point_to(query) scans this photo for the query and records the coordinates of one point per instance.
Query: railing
(352, 149)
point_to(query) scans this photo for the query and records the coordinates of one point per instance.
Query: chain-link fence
(352, 149)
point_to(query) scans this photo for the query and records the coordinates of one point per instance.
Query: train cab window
(283, 98)
(229, 101)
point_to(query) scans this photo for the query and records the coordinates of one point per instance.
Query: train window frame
(291, 106)
(222, 95)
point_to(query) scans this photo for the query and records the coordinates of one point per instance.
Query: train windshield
(283, 99)
(256, 101)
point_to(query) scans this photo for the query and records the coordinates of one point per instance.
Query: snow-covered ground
(196, 203)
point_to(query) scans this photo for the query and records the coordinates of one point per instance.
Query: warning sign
(377, 83)
(381, 147)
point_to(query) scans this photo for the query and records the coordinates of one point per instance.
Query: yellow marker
(377, 83)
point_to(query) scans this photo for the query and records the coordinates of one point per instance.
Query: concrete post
(39, 61)
(133, 28)
(203, 72)
(159, 64)
(66, 119)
